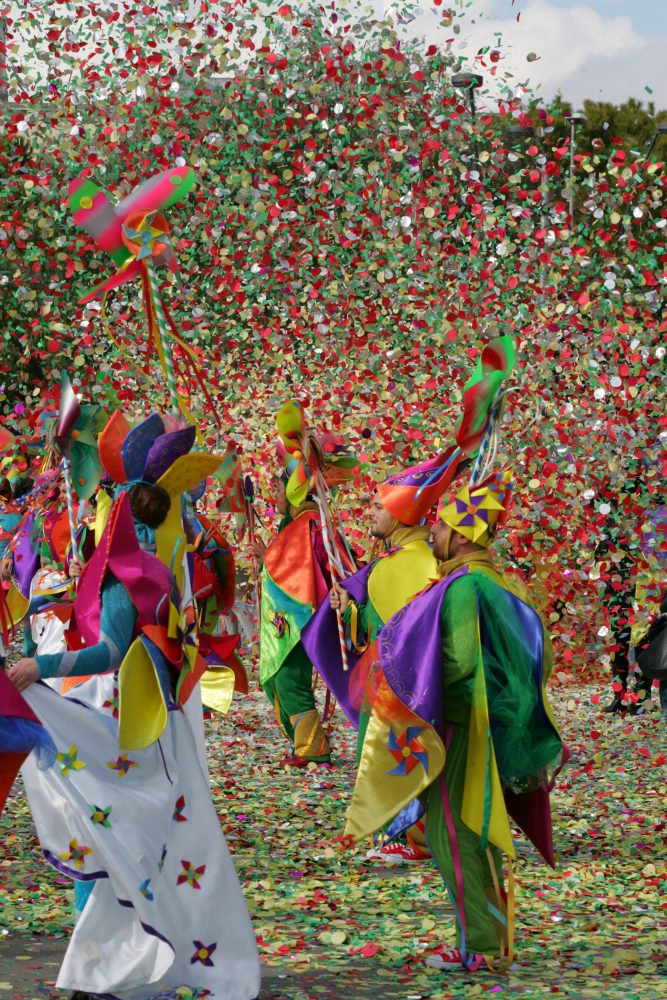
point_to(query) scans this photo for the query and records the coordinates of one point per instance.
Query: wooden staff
(335, 562)
(249, 496)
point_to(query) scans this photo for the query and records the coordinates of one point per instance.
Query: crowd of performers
(435, 656)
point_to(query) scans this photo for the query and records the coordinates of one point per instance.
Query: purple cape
(322, 644)
(410, 650)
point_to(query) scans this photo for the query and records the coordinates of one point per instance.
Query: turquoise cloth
(82, 891)
(117, 623)
(29, 645)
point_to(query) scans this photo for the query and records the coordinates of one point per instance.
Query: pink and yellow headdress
(410, 495)
(477, 511)
(306, 454)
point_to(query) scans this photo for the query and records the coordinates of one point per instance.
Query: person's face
(6, 568)
(381, 519)
(279, 495)
(440, 535)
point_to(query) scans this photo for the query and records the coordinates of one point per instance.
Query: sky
(607, 50)
(598, 49)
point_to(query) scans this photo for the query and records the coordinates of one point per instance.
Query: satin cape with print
(404, 749)
(295, 580)
(388, 583)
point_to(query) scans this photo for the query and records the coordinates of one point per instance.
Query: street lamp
(661, 129)
(576, 119)
(469, 83)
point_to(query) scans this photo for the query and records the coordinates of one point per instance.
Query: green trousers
(450, 840)
(290, 691)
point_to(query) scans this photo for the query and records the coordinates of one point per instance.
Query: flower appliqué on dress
(190, 874)
(407, 751)
(69, 762)
(203, 953)
(77, 854)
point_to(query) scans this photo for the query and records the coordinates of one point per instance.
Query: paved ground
(342, 929)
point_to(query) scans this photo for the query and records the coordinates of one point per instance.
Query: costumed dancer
(295, 579)
(374, 594)
(127, 807)
(461, 727)
(22, 522)
(214, 588)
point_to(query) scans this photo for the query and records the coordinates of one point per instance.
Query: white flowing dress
(166, 916)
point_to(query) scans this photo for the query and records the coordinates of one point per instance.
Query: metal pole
(473, 117)
(4, 76)
(70, 503)
(572, 138)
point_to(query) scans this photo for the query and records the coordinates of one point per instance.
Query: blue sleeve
(117, 623)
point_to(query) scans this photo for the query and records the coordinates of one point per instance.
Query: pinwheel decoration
(476, 510)
(94, 210)
(231, 484)
(407, 751)
(74, 433)
(136, 235)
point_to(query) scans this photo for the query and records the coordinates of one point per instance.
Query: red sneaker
(398, 854)
(452, 958)
(294, 760)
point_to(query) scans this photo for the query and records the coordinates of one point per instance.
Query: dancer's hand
(23, 674)
(339, 598)
(75, 568)
(257, 550)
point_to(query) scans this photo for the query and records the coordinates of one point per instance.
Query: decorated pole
(69, 412)
(67, 472)
(249, 497)
(74, 434)
(136, 235)
(161, 323)
(335, 563)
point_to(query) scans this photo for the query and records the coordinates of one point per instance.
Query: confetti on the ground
(331, 927)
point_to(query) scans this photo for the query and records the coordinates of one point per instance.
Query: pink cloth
(146, 578)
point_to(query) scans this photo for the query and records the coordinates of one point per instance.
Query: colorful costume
(461, 729)
(127, 807)
(214, 586)
(383, 587)
(295, 579)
